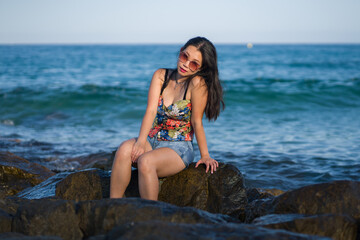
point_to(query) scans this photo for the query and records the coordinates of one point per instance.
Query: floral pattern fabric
(172, 123)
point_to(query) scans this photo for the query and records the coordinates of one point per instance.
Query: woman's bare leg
(121, 169)
(161, 162)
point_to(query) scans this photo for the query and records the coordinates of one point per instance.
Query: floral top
(173, 123)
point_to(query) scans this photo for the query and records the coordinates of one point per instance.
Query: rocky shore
(36, 203)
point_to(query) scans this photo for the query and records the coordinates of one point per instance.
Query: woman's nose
(186, 63)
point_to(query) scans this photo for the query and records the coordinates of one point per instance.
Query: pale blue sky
(165, 21)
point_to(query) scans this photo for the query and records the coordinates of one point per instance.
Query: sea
(292, 115)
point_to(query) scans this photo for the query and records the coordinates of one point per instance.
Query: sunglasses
(183, 57)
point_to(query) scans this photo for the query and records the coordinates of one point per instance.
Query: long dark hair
(208, 71)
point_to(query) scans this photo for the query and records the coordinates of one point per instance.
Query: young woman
(177, 100)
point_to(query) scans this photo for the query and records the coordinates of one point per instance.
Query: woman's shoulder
(160, 74)
(197, 81)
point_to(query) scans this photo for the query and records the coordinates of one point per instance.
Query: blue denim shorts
(185, 149)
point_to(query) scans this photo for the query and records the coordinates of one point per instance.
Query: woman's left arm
(198, 103)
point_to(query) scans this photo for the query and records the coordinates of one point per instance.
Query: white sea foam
(8, 122)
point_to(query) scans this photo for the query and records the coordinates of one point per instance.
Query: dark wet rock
(180, 231)
(10, 205)
(5, 221)
(47, 217)
(221, 192)
(337, 227)
(271, 191)
(45, 189)
(84, 185)
(338, 197)
(97, 237)
(17, 173)
(258, 208)
(100, 160)
(262, 193)
(19, 236)
(100, 216)
(254, 194)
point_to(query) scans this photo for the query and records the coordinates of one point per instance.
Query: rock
(337, 227)
(258, 208)
(221, 192)
(47, 217)
(338, 197)
(271, 191)
(100, 160)
(97, 237)
(8, 209)
(127, 218)
(100, 216)
(10, 205)
(180, 231)
(19, 236)
(17, 173)
(254, 194)
(45, 189)
(84, 185)
(5, 221)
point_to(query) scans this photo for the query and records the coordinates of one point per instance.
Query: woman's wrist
(141, 140)
(206, 155)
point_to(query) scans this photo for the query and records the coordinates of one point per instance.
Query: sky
(166, 21)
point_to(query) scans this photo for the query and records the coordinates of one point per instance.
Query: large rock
(337, 227)
(255, 193)
(8, 209)
(338, 197)
(221, 192)
(128, 218)
(47, 217)
(87, 184)
(19, 236)
(84, 185)
(180, 231)
(100, 216)
(5, 221)
(17, 173)
(45, 189)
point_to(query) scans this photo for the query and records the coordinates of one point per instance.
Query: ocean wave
(292, 93)
(61, 103)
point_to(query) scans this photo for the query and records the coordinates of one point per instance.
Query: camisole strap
(165, 82)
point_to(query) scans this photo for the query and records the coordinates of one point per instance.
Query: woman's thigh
(165, 161)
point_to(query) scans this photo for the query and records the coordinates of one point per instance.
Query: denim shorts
(185, 149)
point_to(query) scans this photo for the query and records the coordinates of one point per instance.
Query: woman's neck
(179, 78)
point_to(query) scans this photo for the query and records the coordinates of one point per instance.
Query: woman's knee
(124, 150)
(144, 164)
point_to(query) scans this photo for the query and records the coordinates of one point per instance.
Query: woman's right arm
(151, 109)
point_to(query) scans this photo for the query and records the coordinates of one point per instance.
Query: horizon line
(175, 43)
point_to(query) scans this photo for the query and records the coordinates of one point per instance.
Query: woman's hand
(137, 150)
(209, 162)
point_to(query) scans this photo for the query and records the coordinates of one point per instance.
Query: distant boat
(249, 45)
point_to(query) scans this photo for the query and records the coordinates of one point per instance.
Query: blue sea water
(291, 117)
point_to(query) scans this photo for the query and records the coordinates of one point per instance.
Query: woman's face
(191, 59)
